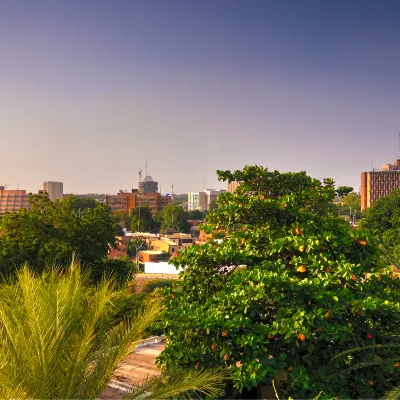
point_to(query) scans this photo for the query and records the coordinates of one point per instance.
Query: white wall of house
(160, 268)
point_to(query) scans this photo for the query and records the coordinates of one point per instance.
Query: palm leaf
(182, 384)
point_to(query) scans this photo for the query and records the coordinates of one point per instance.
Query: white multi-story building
(201, 200)
(54, 190)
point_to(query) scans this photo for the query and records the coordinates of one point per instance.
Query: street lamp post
(137, 260)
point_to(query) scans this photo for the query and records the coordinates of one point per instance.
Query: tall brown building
(13, 200)
(377, 184)
(126, 201)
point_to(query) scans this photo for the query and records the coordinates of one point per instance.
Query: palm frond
(60, 337)
(372, 346)
(183, 384)
(394, 394)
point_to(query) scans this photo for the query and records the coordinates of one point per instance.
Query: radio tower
(172, 193)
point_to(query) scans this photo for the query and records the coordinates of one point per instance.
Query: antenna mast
(172, 193)
(146, 167)
(140, 176)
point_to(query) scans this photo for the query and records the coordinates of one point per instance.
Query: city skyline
(91, 90)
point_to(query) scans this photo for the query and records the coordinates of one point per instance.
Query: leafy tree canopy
(136, 243)
(141, 219)
(384, 219)
(51, 231)
(174, 216)
(288, 288)
(343, 191)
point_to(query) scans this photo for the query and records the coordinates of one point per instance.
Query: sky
(91, 89)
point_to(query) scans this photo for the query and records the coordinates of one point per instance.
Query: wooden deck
(134, 370)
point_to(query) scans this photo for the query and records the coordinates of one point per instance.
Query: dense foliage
(289, 287)
(383, 218)
(50, 232)
(174, 216)
(142, 220)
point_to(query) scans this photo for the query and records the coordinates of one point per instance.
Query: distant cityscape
(375, 184)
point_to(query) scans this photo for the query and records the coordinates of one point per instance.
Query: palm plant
(61, 338)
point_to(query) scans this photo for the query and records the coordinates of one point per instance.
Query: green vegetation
(290, 287)
(50, 232)
(135, 245)
(142, 220)
(174, 216)
(343, 191)
(383, 218)
(62, 339)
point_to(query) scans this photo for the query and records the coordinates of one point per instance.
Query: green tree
(122, 218)
(141, 219)
(52, 231)
(62, 339)
(288, 288)
(343, 191)
(136, 243)
(82, 204)
(383, 218)
(174, 216)
(351, 202)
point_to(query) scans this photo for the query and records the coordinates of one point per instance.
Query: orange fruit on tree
(302, 337)
(302, 268)
(214, 347)
(353, 277)
(396, 364)
(224, 333)
(297, 230)
(363, 242)
(226, 356)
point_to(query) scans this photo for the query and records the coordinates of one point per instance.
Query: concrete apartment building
(55, 190)
(13, 200)
(197, 201)
(377, 184)
(201, 200)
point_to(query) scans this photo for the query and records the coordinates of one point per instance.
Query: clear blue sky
(90, 89)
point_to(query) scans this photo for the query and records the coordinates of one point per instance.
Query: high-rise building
(377, 184)
(54, 190)
(13, 200)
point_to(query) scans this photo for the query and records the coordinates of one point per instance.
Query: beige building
(232, 186)
(54, 189)
(13, 200)
(377, 184)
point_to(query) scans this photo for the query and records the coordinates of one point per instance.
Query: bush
(288, 288)
(153, 284)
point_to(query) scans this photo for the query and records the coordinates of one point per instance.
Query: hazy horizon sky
(91, 89)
